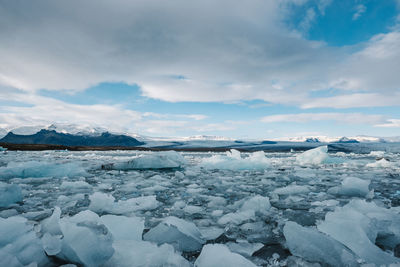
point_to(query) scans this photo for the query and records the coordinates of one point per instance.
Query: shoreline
(43, 147)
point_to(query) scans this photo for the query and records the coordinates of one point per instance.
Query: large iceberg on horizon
(38, 169)
(155, 160)
(317, 156)
(233, 160)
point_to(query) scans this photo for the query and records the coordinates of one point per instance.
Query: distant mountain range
(51, 137)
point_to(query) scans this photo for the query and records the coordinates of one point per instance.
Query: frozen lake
(127, 208)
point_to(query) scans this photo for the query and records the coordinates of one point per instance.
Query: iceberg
(233, 160)
(85, 240)
(155, 160)
(359, 225)
(248, 210)
(183, 235)
(132, 253)
(220, 255)
(124, 228)
(19, 245)
(9, 194)
(314, 246)
(37, 169)
(382, 163)
(103, 203)
(317, 156)
(352, 187)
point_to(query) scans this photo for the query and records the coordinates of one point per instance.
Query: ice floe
(9, 194)
(183, 235)
(41, 169)
(156, 160)
(214, 255)
(233, 160)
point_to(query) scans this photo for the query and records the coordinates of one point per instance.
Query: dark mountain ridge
(52, 137)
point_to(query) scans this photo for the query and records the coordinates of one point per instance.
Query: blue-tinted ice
(127, 208)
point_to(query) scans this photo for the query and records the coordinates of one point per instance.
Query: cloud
(349, 118)
(226, 51)
(391, 123)
(360, 9)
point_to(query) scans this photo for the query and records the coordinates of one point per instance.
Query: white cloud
(360, 9)
(391, 123)
(227, 52)
(350, 118)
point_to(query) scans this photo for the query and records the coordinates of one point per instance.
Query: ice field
(128, 208)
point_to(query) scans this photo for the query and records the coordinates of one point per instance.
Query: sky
(253, 69)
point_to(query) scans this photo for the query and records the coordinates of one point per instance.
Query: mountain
(51, 137)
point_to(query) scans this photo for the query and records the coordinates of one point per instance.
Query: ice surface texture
(203, 209)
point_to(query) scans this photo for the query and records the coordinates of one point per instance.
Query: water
(203, 195)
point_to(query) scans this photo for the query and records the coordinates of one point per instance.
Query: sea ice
(85, 240)
(351, 186)
(218, 255)
(314, 246)
(382, 163)
(78, 185)
(317, 156)
(9, 194)
(233, 160)
(132, 253)
(155, 160)
(103, 203)
(292, 189)
(183, 235)
(40, 169)
(359, 225)
(19, 245)
(248, 210)
(124, 228)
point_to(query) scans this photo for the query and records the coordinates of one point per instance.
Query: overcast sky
(243, 69)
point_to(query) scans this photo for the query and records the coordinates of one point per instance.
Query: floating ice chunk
(19, 245)
(9, 194)
(192, 209)
(237, 217)
(382, 163)
(85, 240)
(292, 190)
(358, 225)
(40, 169)
(51, 225)
(103, 203)
(2, 149)
(234, 161)
(312, 245)
(353, 187)
(244, 248)
(183, 235)
(328, 203)
(124, 228)
(155, 160)
(248, 211)
(257, 203)
(51, 244)
(317, 156)
(377, 153)
(78, 185)
(218, 255)
(131, 253)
